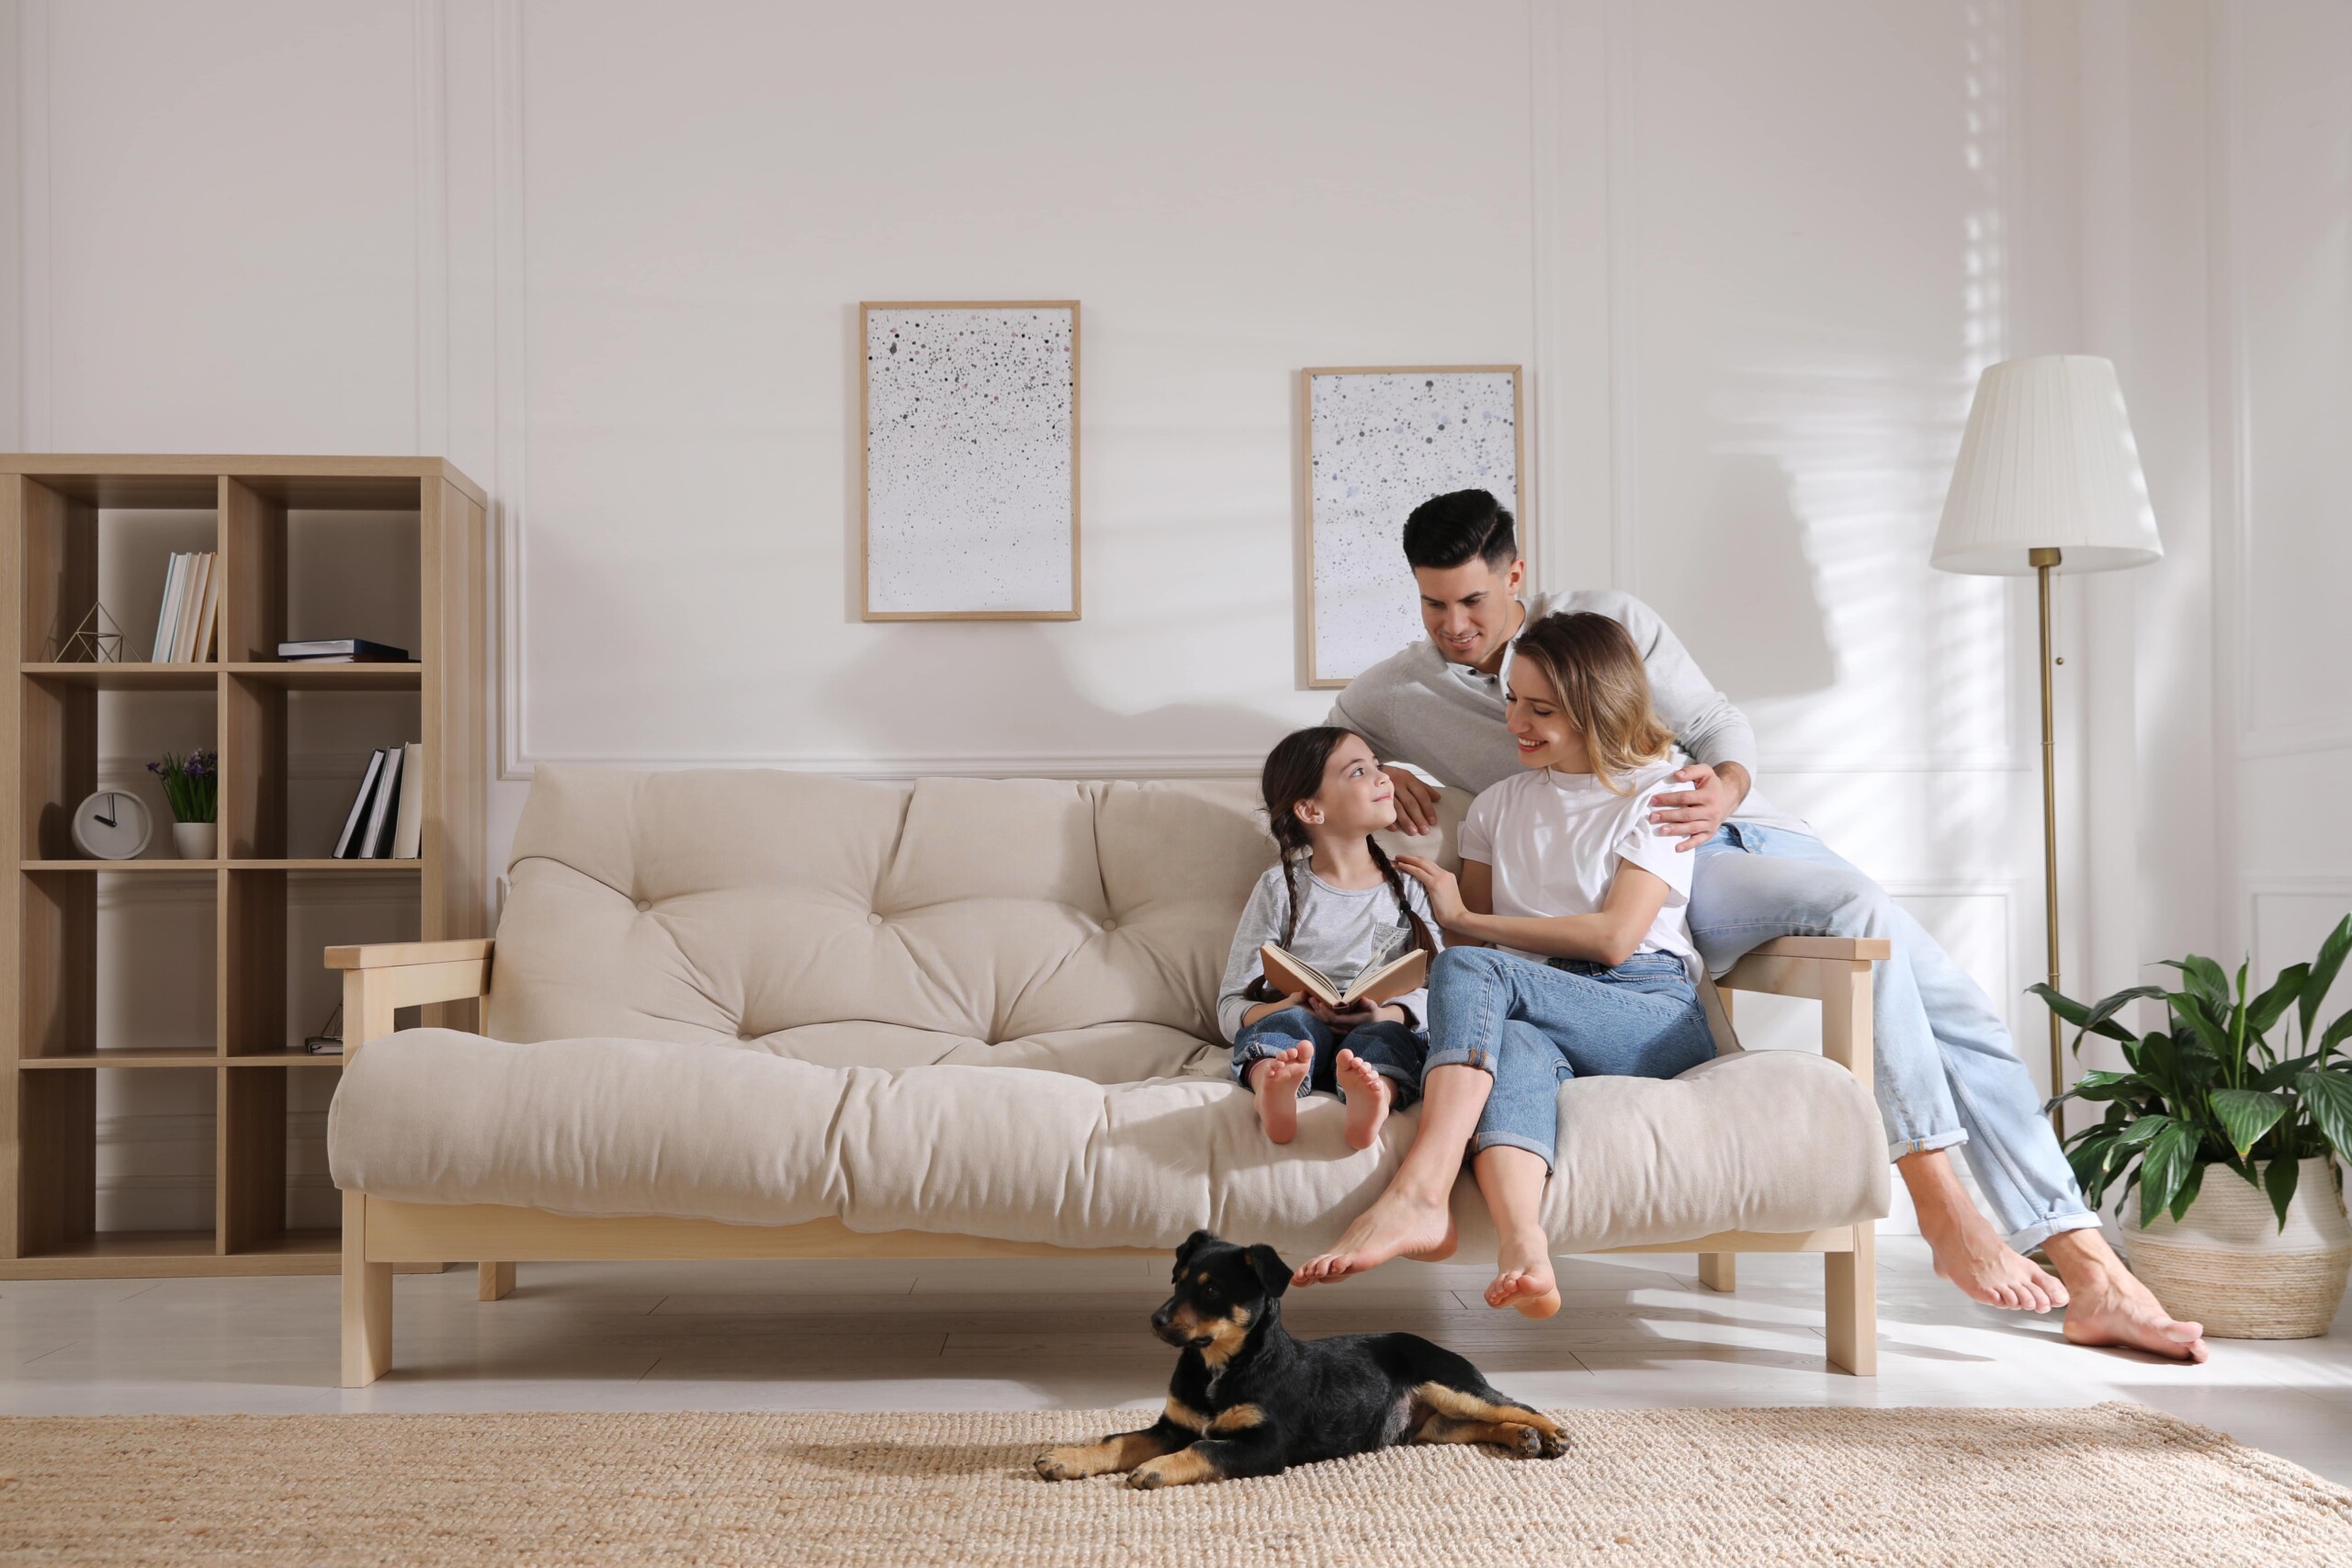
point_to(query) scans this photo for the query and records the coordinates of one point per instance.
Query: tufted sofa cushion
(960, 914)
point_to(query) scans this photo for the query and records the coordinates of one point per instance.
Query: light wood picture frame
(1375, 442)
(967, 456)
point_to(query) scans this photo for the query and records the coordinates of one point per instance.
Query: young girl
(1590, 968)
(1338, 904)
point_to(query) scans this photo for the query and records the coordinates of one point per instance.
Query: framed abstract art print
(968, 455)
(1378, 442)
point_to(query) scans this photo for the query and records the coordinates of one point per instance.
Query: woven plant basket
(2229, 1265)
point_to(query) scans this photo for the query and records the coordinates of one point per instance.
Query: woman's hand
(1444, 890)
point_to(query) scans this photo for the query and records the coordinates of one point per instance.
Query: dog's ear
(1273, 1273)
(1192, 1244)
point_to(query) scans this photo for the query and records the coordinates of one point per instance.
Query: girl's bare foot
(1275, 1080)
(2112, 1308)
(1368, 1096)
(1523, 1275)
(1968, 1251)
(1398, 1224)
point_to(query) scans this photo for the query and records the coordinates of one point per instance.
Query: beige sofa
(738, 1014)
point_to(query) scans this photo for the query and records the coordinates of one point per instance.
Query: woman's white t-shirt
(1554, 839)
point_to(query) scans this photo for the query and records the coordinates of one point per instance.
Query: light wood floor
(1002, 1335)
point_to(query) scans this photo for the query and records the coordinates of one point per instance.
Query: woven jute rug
(2117, 1483)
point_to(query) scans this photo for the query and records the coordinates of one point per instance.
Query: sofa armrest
(399, 954)
(1852, 949)
(1834, 971)
(380, 977)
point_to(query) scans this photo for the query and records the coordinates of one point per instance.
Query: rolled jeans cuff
(1903, 1148)
(1458, 1056)
(2033, 1235)
(1485, 1141)
(1407, 1091)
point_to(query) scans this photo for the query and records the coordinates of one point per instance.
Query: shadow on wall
(978, 690)
(1749, 610)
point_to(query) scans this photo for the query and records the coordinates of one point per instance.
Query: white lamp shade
(2048, 462)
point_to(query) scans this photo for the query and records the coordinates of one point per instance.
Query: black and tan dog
(1247, 1399)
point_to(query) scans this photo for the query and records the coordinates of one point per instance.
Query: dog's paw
(1056, 1464)
(1533, 1442)
(1145, 1479)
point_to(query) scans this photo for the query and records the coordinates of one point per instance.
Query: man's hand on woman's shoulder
(1691, 816)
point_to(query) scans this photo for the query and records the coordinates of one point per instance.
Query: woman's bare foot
(1398, 1224)
(2110, 1307)
(1275, 1080)
(1369, 1096)
(1968, 1251)
(1523, 1275)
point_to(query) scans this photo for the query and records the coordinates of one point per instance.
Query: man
(1945, 1072)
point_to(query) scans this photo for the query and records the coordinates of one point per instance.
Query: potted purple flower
(192, 785)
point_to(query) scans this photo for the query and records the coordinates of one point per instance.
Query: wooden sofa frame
(379, 1233)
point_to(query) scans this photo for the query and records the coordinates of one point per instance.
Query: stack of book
(386, 817)
(185, 626)
(342, 650)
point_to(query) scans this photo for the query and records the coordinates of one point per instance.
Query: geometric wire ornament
(98, 640)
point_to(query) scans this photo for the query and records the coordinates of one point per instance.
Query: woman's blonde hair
(1603, 689)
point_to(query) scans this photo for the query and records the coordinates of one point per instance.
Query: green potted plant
(192, 785)
(2259, 1247)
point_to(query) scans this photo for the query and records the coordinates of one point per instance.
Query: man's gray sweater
(1445, 719)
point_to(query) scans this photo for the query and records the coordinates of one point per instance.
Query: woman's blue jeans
(1534, 1026)
(1393, 1050)
(1944, 1072)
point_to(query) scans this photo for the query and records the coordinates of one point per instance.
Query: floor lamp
(2047, 480)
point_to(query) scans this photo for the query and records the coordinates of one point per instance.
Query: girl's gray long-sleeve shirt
(1342, 930)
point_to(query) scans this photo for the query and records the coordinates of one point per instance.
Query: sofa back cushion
(685, 904)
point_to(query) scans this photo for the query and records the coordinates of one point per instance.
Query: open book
(1288, 972)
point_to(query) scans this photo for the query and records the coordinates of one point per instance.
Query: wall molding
(1619, 75)
(429, 70)
(37, 342)
(2296, 739)
(2333, 731)
(1074, 765)
(1780, 764)
(510, 479)
(1608, 28)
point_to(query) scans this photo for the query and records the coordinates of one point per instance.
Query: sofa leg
(497, 1281)
(1719, 1270)
(1849, 1303)
(367, 1301)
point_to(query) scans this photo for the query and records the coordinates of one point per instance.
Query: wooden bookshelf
(52, 512)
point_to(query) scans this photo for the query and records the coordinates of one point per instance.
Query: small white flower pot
(197, 840)
(2228, 1264)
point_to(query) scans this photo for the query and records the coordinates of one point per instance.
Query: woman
(1584, 963)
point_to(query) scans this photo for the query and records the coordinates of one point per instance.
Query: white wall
(2282, 489)
(605, 255)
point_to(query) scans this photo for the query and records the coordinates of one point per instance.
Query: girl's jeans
(1534, 1026)
(1944, 1071)
(1392, 1050)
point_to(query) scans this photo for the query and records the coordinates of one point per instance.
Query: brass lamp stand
(2043, 559)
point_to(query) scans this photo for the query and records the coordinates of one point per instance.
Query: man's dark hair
(1447, 530)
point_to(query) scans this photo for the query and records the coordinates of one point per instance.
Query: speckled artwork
(971, 450)
(1379, 443)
